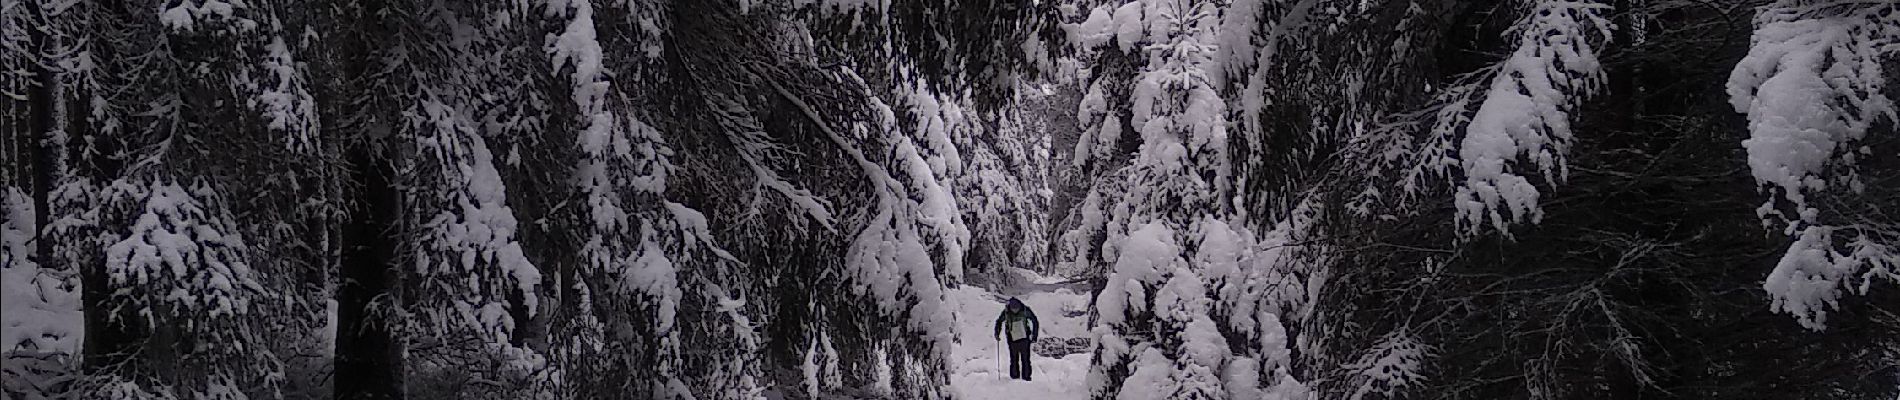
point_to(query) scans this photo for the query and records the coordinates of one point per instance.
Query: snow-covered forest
(831, 199)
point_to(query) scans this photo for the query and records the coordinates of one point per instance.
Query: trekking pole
(999, 353)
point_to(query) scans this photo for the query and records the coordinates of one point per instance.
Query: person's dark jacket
(1016, 311)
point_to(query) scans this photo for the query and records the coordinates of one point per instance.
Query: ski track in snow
(980, 370)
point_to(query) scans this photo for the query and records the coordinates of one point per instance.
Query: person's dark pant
(1019, 359)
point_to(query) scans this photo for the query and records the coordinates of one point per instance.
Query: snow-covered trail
(980, 370)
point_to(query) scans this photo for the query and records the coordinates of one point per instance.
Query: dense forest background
(726, 199)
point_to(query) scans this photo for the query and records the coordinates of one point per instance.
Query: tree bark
(34, 141)
(369, 361)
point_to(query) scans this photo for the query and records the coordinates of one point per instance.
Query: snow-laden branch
(1813, 87)
(758, 151)
(280, 92)
(1498, 136)
(186, 260)
(1522, 128)
(891, 258)
(467, 228)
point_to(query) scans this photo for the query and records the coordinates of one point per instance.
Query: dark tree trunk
(109, 339)
(369, 362)
(1623, 75)
(39, 127)
(550, 250)
(542, 241)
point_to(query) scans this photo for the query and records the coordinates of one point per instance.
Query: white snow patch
(39, 309)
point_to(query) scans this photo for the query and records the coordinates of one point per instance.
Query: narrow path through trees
(1061, 363)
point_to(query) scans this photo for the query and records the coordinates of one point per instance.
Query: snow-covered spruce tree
(180, 240)
(1099, 153)
(1167, 240)
(125, 115)
(648, 265)
(1303, 79)
(289, 183)
(175, 302)
(951, 72)
(439, 146)
(806, 141)
(969, 110)
(665, 109)
(891, 248)
(985, 48)
(437, 107)
(1407, 302)
(1821, 117)
(1307, 83)
(1004, 190)
(1307, 77)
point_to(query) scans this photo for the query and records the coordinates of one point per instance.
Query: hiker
(1023, 329)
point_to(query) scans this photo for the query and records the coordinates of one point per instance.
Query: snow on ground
(981, 367)
(39, 310)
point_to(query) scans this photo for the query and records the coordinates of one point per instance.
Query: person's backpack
(1017, 323)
